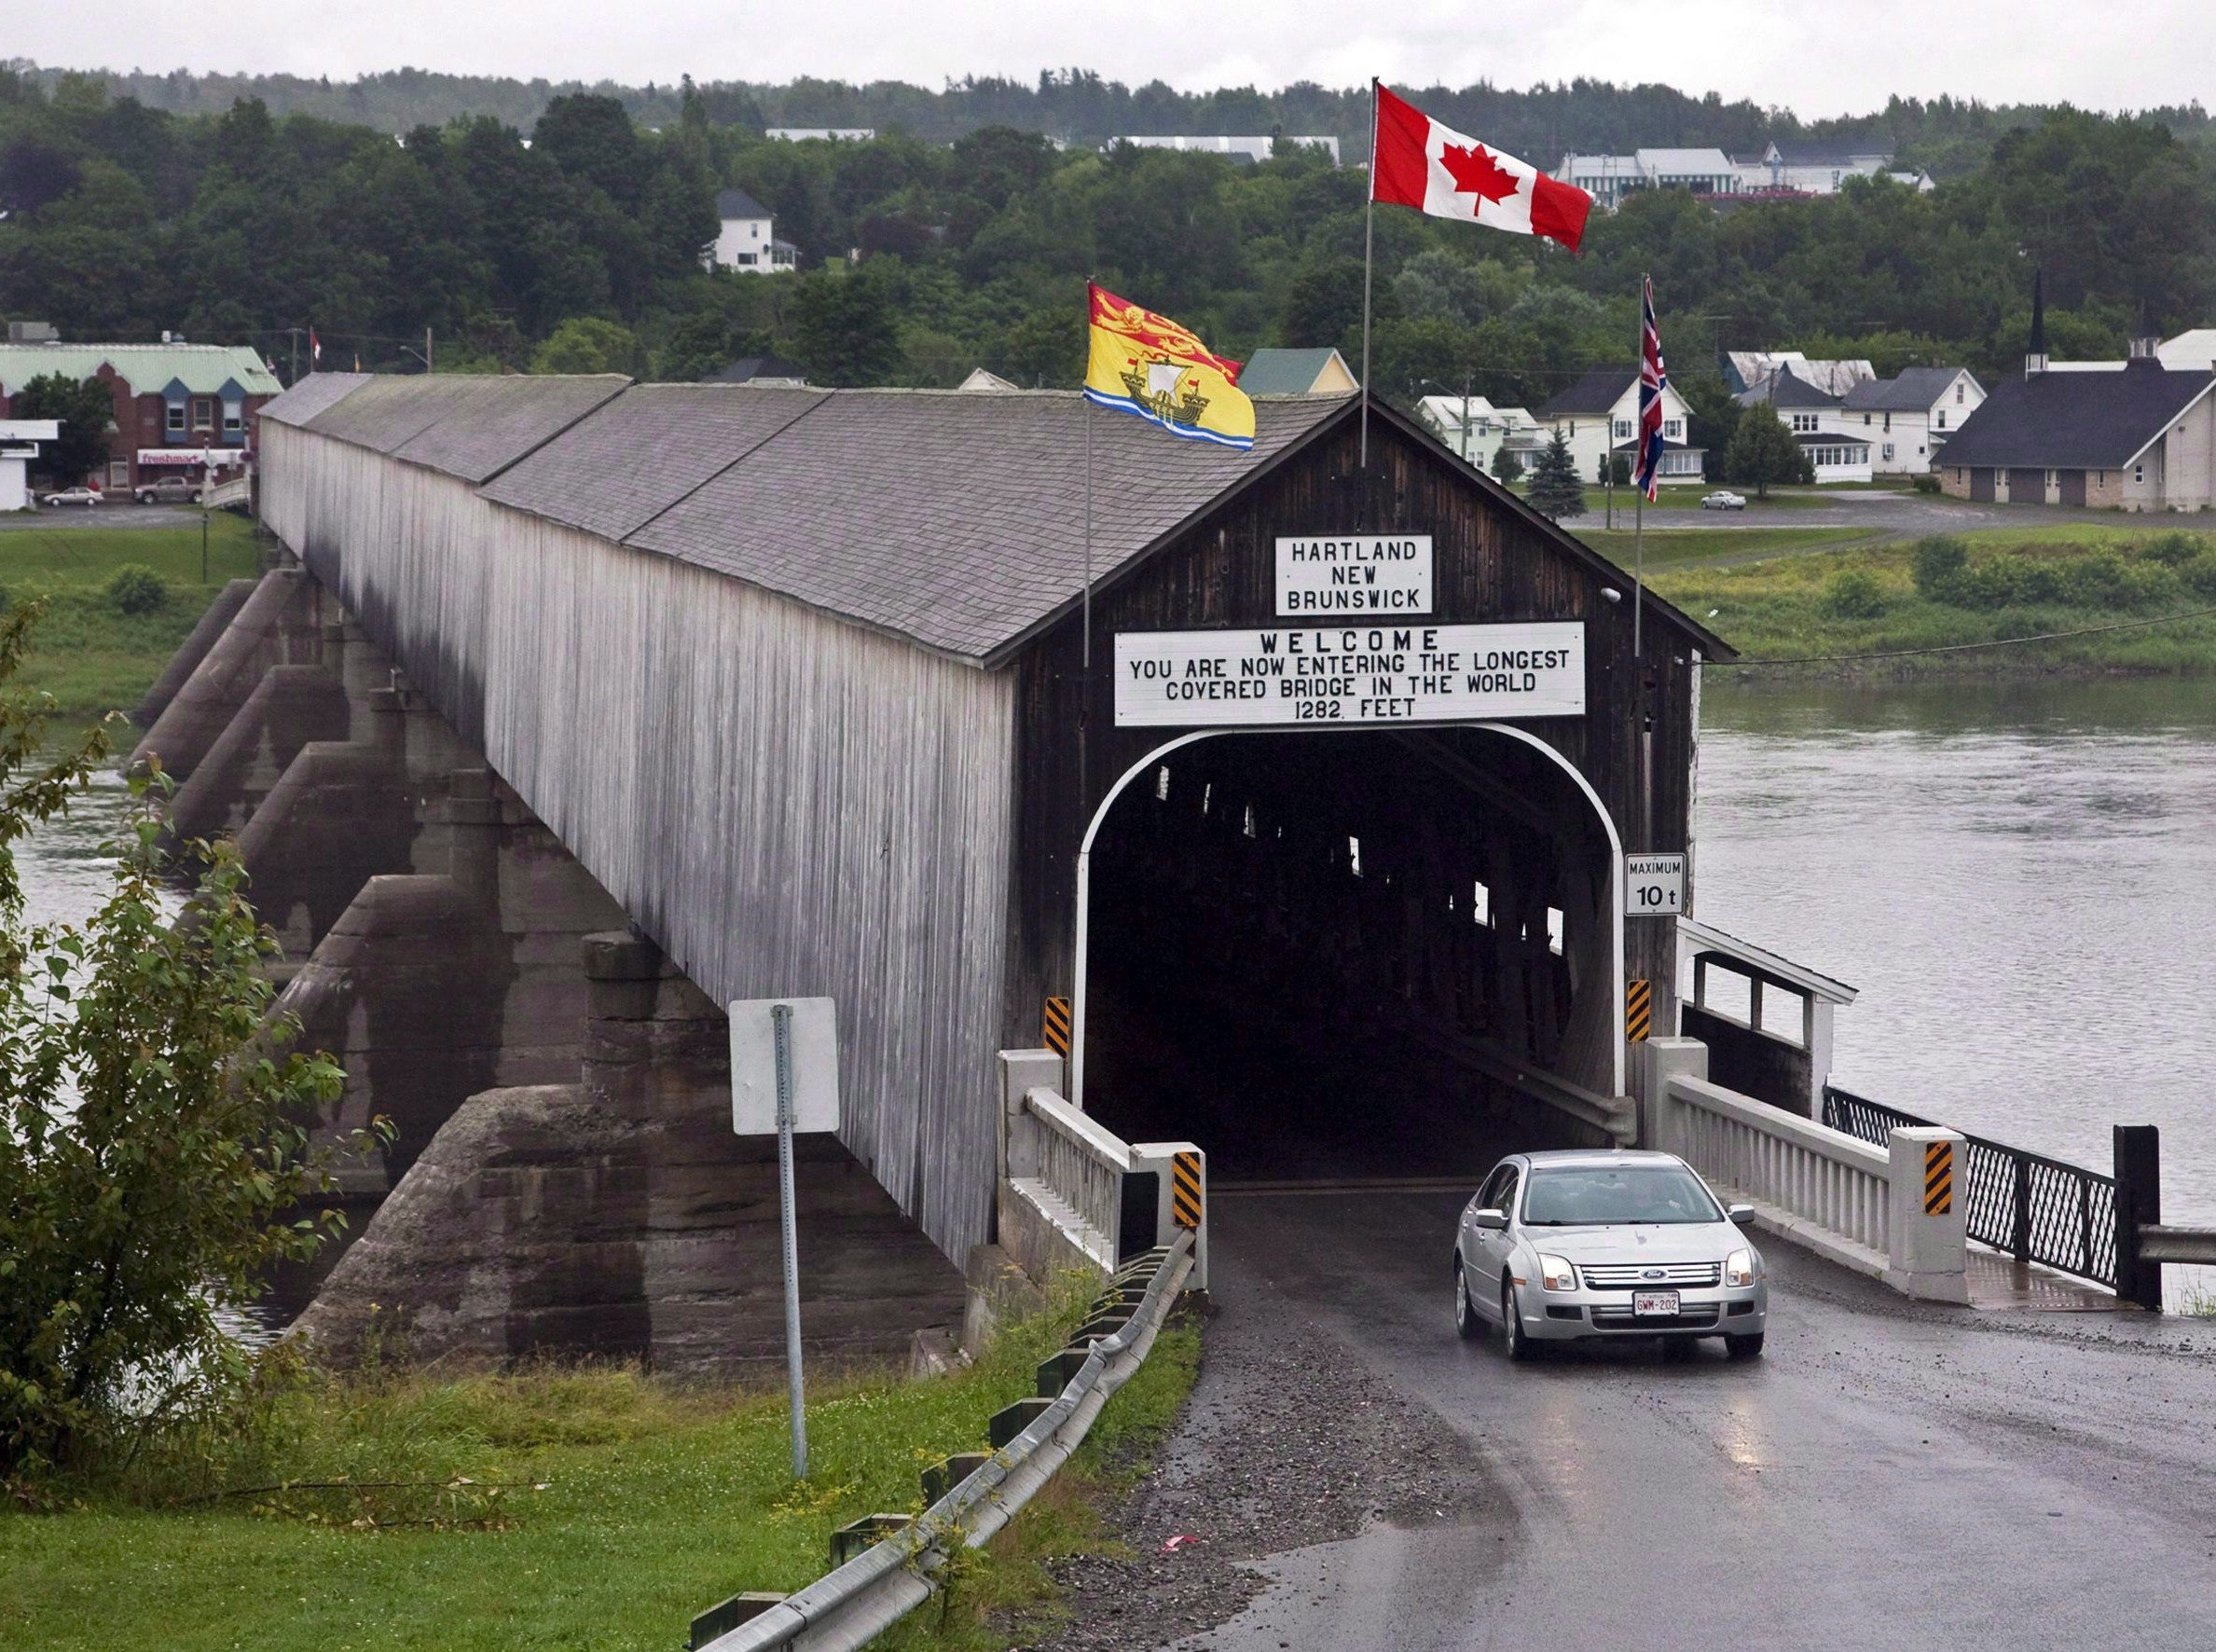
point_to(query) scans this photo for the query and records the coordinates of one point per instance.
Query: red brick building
(180, 409)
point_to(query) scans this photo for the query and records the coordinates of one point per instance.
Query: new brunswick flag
(1146, 364)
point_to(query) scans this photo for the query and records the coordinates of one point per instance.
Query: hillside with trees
(575, 244)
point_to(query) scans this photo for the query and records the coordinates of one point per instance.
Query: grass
(1674, 547)
(634, 1503)
(1790, 607)
(88, 655)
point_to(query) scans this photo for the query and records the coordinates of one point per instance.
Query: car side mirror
(1496, 1219)
(1741, 1215)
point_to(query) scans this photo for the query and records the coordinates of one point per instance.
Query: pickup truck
(167, 491)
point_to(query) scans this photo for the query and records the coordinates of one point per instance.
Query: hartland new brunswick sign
(1370, 672)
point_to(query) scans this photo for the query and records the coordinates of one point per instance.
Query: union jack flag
(1653, 379)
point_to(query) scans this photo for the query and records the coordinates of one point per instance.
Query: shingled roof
(953, 520)
(309, 396)
(469, 426)
(1914, 390)
(1597, 389)
(2074, 420)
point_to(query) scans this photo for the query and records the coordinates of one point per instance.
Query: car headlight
(1556, 1274)
(1739, 1267)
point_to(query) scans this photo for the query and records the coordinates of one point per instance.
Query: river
(2020, 877)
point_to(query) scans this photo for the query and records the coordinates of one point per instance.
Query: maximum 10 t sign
(1345, 675)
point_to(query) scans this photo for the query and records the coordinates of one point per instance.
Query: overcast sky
(1817, 57)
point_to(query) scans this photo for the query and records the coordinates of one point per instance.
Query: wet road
(1884, 514)
(1888, 1476)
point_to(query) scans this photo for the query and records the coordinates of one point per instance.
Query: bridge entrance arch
(1325, 955)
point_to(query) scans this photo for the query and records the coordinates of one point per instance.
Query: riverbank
(1798, 596)
(97, 652)
(593, 1507)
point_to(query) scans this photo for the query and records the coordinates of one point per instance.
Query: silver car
(1603, 1244)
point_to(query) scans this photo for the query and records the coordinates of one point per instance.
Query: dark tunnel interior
(1322, 956)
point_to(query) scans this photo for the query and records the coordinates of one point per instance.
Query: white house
(1238, 148)
(829, 134)
(1812, 414)
(1609, 178)
(1908, 419)
(1822, 172)
(1477, 430)
(19, 440)
(746, 240)
(1750, 369)
(1599, 415)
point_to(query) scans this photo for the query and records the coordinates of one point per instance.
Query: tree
(154, 1142)
(1555, 488)
(1614, 468)
(588, 344)
(1506, 467)
(848, 334)
(84, 409)
(1762, 451)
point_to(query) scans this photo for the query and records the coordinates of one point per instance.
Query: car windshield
(1583, 1195)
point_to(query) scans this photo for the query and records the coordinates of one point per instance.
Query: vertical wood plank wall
(786, 803)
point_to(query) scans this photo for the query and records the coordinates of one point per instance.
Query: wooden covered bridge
(1311, 800)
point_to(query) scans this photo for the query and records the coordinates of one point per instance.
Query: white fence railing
(1071, 1184)
(1809, 1171)
(1080, 1163)
(1891, 1212)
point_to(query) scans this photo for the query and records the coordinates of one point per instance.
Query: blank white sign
(815, 1055)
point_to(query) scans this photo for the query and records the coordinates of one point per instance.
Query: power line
(1903, 654)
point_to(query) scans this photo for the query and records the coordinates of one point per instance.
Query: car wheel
(1512, 1338)
(1466, 1323)
(1744, 1347)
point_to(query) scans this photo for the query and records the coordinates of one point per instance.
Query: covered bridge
(811, 682)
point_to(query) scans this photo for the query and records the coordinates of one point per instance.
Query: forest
(573, 243)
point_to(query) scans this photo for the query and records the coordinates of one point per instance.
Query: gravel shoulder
(1290, 1442)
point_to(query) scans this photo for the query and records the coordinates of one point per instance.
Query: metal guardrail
(853, 1603)
(2035, 1208)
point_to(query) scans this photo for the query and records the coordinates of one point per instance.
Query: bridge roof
(597, 475)
(955, 520)
(470, 426)
(310, 395)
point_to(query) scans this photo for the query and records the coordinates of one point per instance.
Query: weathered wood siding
(787, 804)
(1490, 565)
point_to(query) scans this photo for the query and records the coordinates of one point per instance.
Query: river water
(2019, 877)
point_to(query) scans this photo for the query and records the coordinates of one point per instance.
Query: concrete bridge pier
(281, 623)
(617, 1215)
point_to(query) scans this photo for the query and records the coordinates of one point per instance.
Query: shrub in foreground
(136, 589)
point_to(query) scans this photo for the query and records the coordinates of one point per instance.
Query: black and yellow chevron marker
(1638, 1010)
(1057, 1025)
(1938, 1178)
(1185, 1190)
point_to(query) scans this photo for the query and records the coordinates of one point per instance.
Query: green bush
(2171, 549)
(1939, 567)
(2199, 576)
(1852, 593)
(137, 589)
(2150, 585)
(1926, 483)
(2096, 580)
(2005, 581)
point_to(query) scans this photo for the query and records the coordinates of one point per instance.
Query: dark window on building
(176, 418)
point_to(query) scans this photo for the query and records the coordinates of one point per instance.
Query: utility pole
(427, 350)
(295, 336)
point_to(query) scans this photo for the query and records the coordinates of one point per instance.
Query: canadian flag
(1416, 162)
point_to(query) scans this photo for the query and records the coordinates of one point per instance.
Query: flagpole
(1368, 243)
(1638, 496)
(1639, 599)
(1085, 667)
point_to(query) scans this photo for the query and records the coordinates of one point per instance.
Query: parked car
(1724, 500)
(75, 496)
(167, 491)
(1559, 1246)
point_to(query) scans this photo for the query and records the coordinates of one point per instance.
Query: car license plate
(1653, 1304)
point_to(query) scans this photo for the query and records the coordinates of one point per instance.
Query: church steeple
(2035, 352)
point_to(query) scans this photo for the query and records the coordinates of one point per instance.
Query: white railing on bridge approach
(1065, 1174)
(1860, 1206)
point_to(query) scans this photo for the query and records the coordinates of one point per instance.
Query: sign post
(785, 1077)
